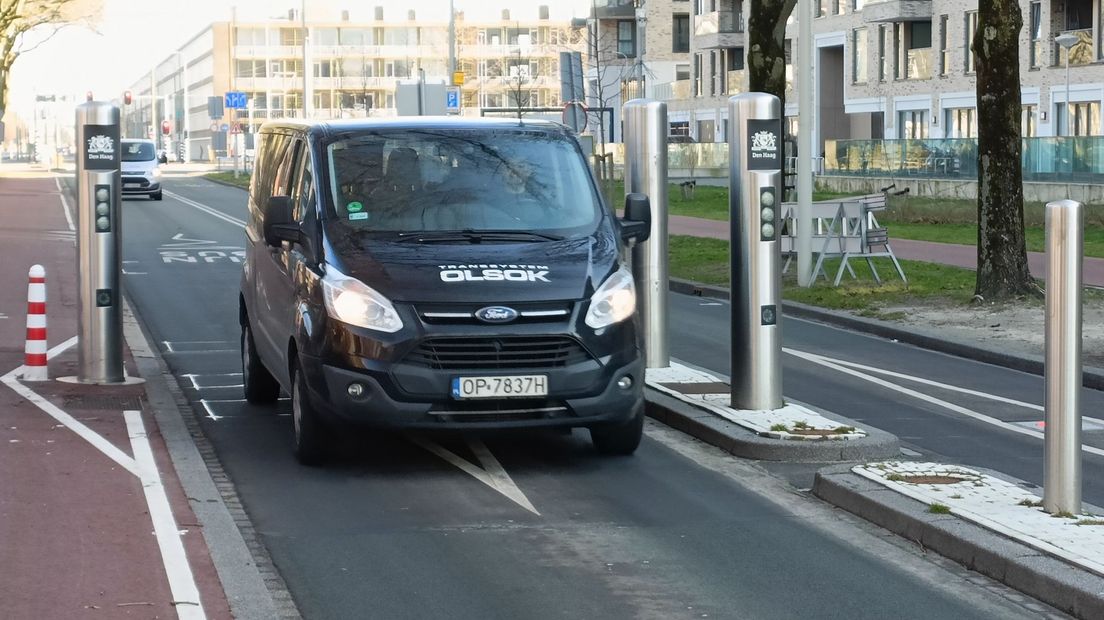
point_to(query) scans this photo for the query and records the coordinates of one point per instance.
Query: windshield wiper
(473, 235)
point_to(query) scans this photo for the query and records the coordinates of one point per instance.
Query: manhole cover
(103, 401)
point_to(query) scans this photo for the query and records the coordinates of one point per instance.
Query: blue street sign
(452, 99)
(224, 127)
(236, 100)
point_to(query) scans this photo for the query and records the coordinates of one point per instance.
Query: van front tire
(311, 438)
(620, 439)
(261, 388)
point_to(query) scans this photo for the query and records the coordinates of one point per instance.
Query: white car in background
(141, 169)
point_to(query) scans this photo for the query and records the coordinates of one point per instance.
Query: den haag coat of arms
(101, 145)
(763, 141)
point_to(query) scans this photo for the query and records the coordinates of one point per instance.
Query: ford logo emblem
(496, 314)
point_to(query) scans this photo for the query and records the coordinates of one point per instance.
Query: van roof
(333, 127)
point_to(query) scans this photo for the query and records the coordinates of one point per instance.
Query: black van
(439, 273)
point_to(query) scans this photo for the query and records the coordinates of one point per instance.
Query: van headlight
(614, 301)
(351, 301)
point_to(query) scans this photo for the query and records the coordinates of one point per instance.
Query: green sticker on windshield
(358, 216)
(355, 207)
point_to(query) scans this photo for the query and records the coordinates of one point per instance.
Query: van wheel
(156, 196)
(261, 388)
(310, 435)
(620, 439)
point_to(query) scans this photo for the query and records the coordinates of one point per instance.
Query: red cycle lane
(77, 536)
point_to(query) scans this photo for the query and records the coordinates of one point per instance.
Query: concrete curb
(739, 441)
(1033, 364)
(252, 585)
(1072, 590)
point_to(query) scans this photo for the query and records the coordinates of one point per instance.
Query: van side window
(303, 198)
(288, 167)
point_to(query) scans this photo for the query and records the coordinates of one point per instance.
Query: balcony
(1080, 53)
(679, 90)
(919, 65)
(897, 11)
(614, 9)
(719, 29)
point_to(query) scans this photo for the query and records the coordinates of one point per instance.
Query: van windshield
(434, 180)
(138, 151)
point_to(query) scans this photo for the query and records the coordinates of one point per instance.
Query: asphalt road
(538, 525)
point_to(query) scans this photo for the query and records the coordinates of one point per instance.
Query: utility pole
(308, 91)
(805, 143)
(452, 42)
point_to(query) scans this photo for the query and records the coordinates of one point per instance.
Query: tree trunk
(1002, 271)
(766, 58)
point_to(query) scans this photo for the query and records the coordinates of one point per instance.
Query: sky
(132, 33)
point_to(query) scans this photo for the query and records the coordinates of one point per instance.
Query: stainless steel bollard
(100, 318)
(754, 201)
(646, 173)
(1062, 449)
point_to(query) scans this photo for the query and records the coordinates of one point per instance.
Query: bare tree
(601, 49)
(766, 58)
(1002, 271)
(517, 78)
(19, 17)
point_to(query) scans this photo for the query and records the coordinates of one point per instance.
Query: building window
(944, 49)
(1028, 120)
(682, 72)
(971, 30)
(858, 53)
(822, 7)
(626, 38)
(735, 59)
(913, 124)
(697, 75)
(1036, 33)
(883, 57)
(857, 5)
(1085, 117)
(681, 33)
(837, 7)
(961, 123)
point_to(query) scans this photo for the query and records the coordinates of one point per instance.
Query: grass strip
(706, 261)
(229, 178)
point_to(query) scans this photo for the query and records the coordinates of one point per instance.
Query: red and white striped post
(34, 363)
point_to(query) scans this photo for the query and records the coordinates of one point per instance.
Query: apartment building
(356, 64)
(899, 69)
(635, 48)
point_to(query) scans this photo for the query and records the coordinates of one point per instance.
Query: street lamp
(187, 123)
(1067, 41)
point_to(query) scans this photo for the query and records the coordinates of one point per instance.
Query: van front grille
(498, 353)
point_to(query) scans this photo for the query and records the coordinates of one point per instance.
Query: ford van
(439, 273)
(141, 169)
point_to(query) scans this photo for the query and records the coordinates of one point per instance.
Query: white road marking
(195, 384)
(498, 480)
(65, 207)
(208, 210)
(185, 243)
(981, 417)
(182, 583)
(97, 441)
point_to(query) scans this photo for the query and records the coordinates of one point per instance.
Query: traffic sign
(214, 126)
(452, 99)
(236, 128)
(236, 100)
(575, 116)
(224, 127)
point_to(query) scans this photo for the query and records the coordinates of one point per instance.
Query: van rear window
(449, 180)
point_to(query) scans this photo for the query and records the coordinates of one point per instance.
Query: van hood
(480, 272)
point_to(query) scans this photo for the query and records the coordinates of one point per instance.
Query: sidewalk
(93, 519)
(944, 253)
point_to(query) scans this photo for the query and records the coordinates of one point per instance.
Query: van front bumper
(582, 395)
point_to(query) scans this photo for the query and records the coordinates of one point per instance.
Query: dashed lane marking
(206, 209)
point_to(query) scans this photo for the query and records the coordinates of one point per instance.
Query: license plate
(132, 185)
(514, 386)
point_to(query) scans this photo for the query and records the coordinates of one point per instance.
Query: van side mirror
(278, 225)
(636, 225)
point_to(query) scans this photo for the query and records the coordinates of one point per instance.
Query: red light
(127, 98)
(88, 96)
(166, 128)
